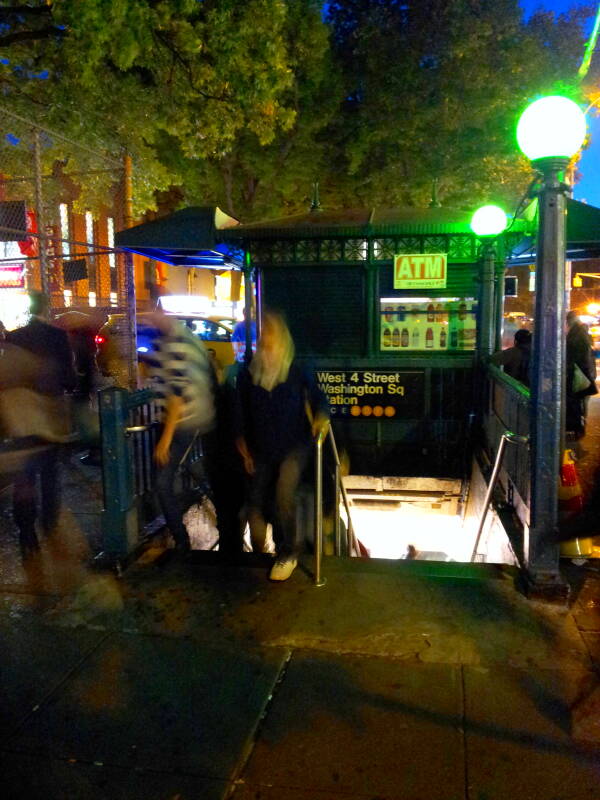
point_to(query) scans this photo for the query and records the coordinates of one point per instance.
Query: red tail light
(98, 339)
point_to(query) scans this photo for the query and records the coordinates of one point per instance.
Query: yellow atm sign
(420, 271)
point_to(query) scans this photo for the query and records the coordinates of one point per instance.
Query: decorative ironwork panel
(409, 244)
(384, 249)
(331, 250)
(460, 248)
(307, 251)
(355, 250)
(435, 244)
(261, 252)
(283, 252)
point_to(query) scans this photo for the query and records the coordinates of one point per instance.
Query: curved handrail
(507, 436)
(339, 487)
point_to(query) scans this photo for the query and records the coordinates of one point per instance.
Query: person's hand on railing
(244, 452)
(320, 425)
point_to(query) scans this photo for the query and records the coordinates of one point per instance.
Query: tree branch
(22, 10)
(28, 36)
(164, 40)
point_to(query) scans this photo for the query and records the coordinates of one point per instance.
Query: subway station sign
(420, 271)
(374, 394)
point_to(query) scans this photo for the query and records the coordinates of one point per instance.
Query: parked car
(111, 341)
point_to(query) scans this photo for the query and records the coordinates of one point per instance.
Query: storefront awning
(187, 238)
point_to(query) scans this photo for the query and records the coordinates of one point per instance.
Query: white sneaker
(283, 568)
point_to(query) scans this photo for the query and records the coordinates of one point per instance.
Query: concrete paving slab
(208, 603)
(35, 660)
(518, 736)
(361, 726)
(426, 618)
(255, 792)
(33, 778)
(152, 702)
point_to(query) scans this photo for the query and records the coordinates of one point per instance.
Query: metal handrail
(339, 489)
(507, 436)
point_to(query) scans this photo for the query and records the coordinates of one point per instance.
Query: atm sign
(420, 271)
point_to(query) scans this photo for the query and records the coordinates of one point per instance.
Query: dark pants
(168, 497)
(272, 498)
(576, 411)
(25, 506)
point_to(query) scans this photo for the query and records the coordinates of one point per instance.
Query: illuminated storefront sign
(12, 276)
(376, 394)
(420, 271)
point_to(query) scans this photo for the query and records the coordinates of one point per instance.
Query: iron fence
(129, 430)
(507, 408)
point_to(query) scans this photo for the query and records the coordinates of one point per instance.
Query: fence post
(119, 515)
(39, 212)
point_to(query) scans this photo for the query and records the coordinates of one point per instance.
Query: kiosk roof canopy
(358, 222)
(191, 237)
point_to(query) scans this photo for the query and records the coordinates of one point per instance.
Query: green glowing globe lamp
(488, 221)
(551, 128)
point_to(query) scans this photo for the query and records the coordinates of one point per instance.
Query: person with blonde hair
(279, 408)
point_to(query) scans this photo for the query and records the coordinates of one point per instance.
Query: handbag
(580, 381)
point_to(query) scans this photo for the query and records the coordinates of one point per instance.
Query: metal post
(39, 211)
(486, 332)
(499, 321)
(548, 381)
(318, 543)
(337, 528)
(248, 305)
(130, 300)
(119, 516)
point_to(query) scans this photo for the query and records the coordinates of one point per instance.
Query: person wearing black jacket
(579, 353)
(51, 346)
(279, 407)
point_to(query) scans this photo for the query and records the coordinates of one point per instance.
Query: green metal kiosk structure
(393, 309)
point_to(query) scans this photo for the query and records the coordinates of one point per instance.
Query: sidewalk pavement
(394, 681)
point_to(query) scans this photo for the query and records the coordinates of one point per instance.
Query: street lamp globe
(488, 220)
(551, 127)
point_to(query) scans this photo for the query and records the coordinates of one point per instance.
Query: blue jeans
(272, 498)
(170, 503)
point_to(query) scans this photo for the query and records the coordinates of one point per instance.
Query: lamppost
(488, 222)
(550, 131)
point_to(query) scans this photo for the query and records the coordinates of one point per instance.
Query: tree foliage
(246, 104)
(434, 88)
(141, 74)
(253, 180)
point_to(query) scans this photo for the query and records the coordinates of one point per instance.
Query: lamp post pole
(488, 222)
(548, 382)
(550, 131)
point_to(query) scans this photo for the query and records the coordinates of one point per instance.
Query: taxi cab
(110, 340)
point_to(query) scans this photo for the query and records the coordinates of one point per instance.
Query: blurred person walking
(581, 375)
(275, 397)
(34, 408)
(186, 385)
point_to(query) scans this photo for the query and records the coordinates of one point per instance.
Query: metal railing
(507, 408)
(129, 430)
(339, 491)
(506, 437)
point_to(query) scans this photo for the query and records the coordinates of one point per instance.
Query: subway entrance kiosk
(393, 309)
